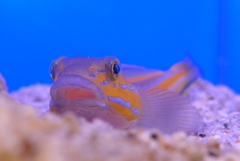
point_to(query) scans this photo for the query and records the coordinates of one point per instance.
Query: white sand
(24, 135)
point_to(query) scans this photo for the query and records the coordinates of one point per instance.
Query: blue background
(153, 33)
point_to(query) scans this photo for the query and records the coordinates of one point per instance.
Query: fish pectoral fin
(169, 112)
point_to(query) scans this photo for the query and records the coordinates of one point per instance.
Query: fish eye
(113, 67)
(116, 68)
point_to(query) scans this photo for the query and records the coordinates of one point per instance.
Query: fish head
(94, 87)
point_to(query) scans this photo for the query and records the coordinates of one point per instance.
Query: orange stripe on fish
(126, 96)
(144, 77)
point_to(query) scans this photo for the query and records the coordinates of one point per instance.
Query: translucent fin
(190, 70)
(137, 73)
(169, 112)
(177, 78)
(140, 76)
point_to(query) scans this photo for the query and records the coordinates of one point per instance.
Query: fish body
(126, 96)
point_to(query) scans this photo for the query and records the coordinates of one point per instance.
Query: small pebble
(154, 136)
(225, 125)
(211, 98)
(202, 135)
(212, 154)
(131, 135)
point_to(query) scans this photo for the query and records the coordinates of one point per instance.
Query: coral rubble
(26, 135)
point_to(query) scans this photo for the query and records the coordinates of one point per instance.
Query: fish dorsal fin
(137, 73)
(177, 78)
(169, 112)
(140, 76)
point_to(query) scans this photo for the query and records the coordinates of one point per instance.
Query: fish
(125, 96)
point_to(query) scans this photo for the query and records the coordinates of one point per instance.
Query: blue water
(152, 33)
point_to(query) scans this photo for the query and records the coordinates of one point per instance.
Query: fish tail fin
(189, 73)
(169, 112)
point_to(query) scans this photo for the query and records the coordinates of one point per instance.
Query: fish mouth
(72, 92)
(75, 87)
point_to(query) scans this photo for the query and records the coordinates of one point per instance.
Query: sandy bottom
(28, 134)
